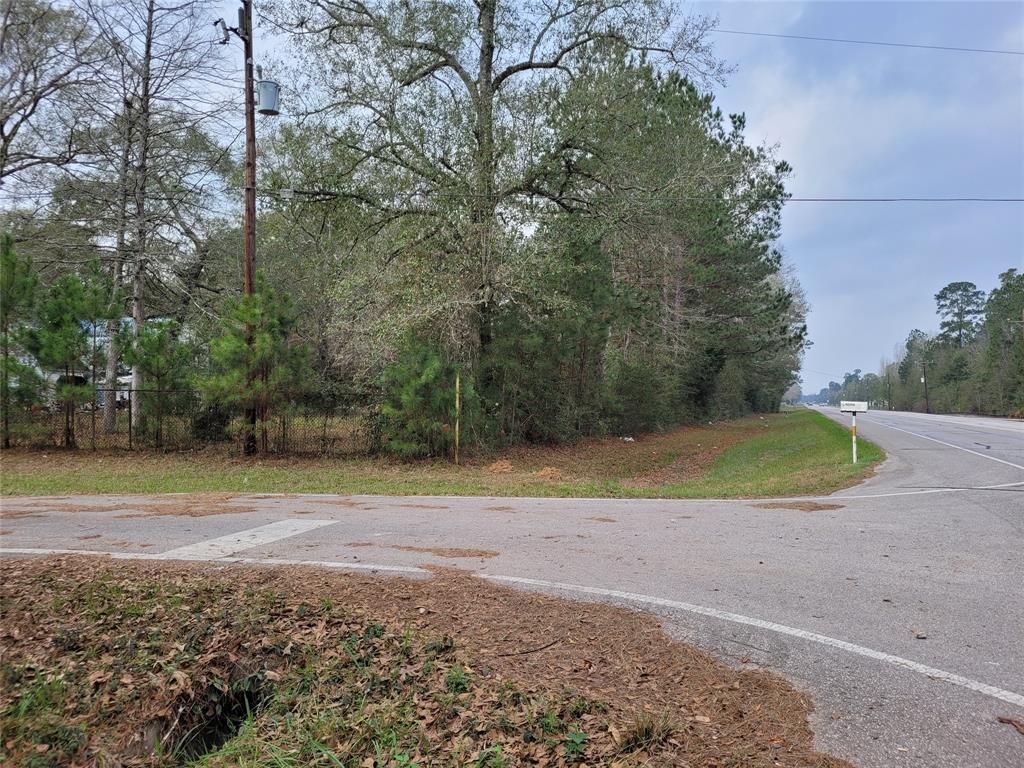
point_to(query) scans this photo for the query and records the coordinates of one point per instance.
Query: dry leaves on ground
(104, 661)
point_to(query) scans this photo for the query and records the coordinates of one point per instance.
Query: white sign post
(853, 407)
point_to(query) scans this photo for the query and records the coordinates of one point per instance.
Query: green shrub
(639, 398)
(417, 415)
(730, 398)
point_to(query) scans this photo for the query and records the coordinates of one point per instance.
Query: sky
(871, 121)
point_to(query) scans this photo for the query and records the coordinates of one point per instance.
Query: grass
(799, 452)
(184, 664)
(169, 666)
(810, 454)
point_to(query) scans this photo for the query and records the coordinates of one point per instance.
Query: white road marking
(975, 422)
(633, 597)
(901, 493)
(943, 442)
(236, 542)
(771, 626)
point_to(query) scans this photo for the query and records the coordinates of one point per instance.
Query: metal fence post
(130, 419)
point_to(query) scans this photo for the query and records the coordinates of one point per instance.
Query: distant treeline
(974, 364)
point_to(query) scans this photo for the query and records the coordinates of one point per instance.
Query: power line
(905, 200)
(329, 194)
(869, 42)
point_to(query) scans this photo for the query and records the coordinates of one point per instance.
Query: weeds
(160, 666)
(256, 686)
(457, 681)
(575, 744)
(647, 731)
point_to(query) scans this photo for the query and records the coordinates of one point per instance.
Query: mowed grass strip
(799, 452)
(807, 453)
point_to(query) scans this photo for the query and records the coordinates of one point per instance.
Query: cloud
(864, 121)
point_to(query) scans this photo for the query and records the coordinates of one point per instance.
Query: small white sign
(853, 406)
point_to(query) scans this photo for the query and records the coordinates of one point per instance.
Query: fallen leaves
(1014, 721)
(802, 506)
(144, 650)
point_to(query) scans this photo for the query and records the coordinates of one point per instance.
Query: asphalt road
(901, 611)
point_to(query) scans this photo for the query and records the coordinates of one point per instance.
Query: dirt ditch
(153, 663)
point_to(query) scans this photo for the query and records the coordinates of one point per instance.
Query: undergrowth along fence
(179, 420)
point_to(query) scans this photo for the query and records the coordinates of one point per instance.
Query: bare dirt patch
(500, 467)
(90, 536)
(452, 552)
(183, 505)
(550, 473)
(348, 503)
(15, 514)
(803, 506)
(502, 665)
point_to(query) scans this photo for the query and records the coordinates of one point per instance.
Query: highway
(899, 606)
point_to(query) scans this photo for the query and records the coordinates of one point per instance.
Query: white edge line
(736, 618)
(943, 442)
(859, 650)
(960, 420)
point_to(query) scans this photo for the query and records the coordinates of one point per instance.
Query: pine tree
(258, 366)
(730, 399)
(60, 343)
(418, 411)
(960, 305)
(100, 304)
(17, 293)
(164, 361)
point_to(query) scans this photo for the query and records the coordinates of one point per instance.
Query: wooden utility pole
(249, 279)
(250, 149)
(244, 32)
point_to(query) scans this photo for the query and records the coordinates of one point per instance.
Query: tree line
(974, 363)
(539, 201)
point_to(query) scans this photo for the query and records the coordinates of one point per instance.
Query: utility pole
(268, 106)
(245, 21)
(249, 278)
(888, 385)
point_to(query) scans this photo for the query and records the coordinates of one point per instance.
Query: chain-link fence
(175, 420)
